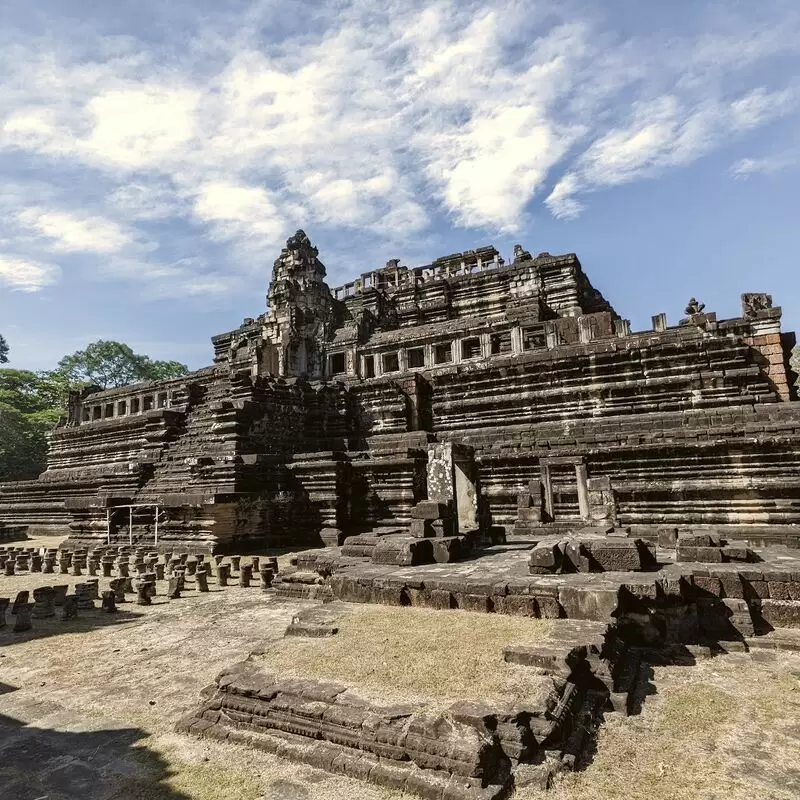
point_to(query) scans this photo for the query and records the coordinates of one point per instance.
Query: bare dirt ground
(87, 710)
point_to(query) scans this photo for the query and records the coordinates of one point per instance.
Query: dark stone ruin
(511, 396)
(469, 435)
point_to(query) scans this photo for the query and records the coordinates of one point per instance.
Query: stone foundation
(469, 750)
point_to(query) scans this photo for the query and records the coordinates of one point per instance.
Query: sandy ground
(87, 710)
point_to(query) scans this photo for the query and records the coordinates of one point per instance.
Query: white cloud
(70, 233)
(662, 134)
(772, 165)
(23, 275)
(377, 118)
(142, 126)
(239, 211)
(147, 201)
(561, 201)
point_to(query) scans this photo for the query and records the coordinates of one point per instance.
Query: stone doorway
(565, 496)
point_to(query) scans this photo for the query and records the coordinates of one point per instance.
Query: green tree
(3, 350)
(27, 414)
(31, 403)
(112, 364)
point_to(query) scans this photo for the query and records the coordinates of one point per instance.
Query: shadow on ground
(51, 626)
(69, 761)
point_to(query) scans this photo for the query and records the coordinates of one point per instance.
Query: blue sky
(155, 156)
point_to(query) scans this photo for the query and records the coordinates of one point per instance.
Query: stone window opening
(443, 353)
(501, 343)
(533, 339)
(369, 367)
(416, 357)
(336, 363)
(122, 408)
(471, 348)
(162, 400)
(109, 410)
(97, 412)
(391, 362)
(148, 403)
(135, 405)
(86, 416)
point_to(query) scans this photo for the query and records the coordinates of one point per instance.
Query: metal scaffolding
(130, 508)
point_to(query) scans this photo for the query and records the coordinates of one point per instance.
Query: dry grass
(726, 729)
(411, 654)
(214, 771)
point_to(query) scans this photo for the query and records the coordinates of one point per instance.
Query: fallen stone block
(403, 551)
(430, 510)
(545, 558)
(447, 549)
(599, 604)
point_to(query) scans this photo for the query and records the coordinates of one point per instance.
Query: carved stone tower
(300, 317)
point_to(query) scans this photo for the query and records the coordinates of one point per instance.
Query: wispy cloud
(662, 134)
(68, 233)
(372, 118)
(769, 165)
(22, 275)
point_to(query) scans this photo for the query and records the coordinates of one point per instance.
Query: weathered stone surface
(780, 613)
(467, 752)
(22, 617)
(403, 551)
(591, 553)
(316, 622)
(431, 509)
(470, 394)
(43, 606)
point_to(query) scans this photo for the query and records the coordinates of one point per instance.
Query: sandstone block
(447, 549)
(431, 509)
(545, 557)
(781, 613)
(597, 604)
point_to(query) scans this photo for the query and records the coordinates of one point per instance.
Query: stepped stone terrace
(490, 485)
(511, 394)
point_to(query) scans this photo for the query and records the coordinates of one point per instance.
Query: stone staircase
(201, 455)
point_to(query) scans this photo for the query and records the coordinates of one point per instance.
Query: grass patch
(410, 654)
(721, 730)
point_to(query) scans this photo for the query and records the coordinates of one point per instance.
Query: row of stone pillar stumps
(53, 601)
(130, 569)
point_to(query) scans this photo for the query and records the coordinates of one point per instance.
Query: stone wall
(525, 364)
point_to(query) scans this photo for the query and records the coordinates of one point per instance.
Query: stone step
(781, 613)
(779, 639)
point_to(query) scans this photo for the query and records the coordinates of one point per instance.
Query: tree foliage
(112, 364)
(31, 403)
(3, 350)
(27, 414)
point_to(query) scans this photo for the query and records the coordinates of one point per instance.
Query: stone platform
(468, 750)
(673, 601)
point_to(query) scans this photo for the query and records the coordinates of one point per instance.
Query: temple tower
(300, 315)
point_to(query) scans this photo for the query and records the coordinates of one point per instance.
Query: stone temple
(512, 394)
(466, 436)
